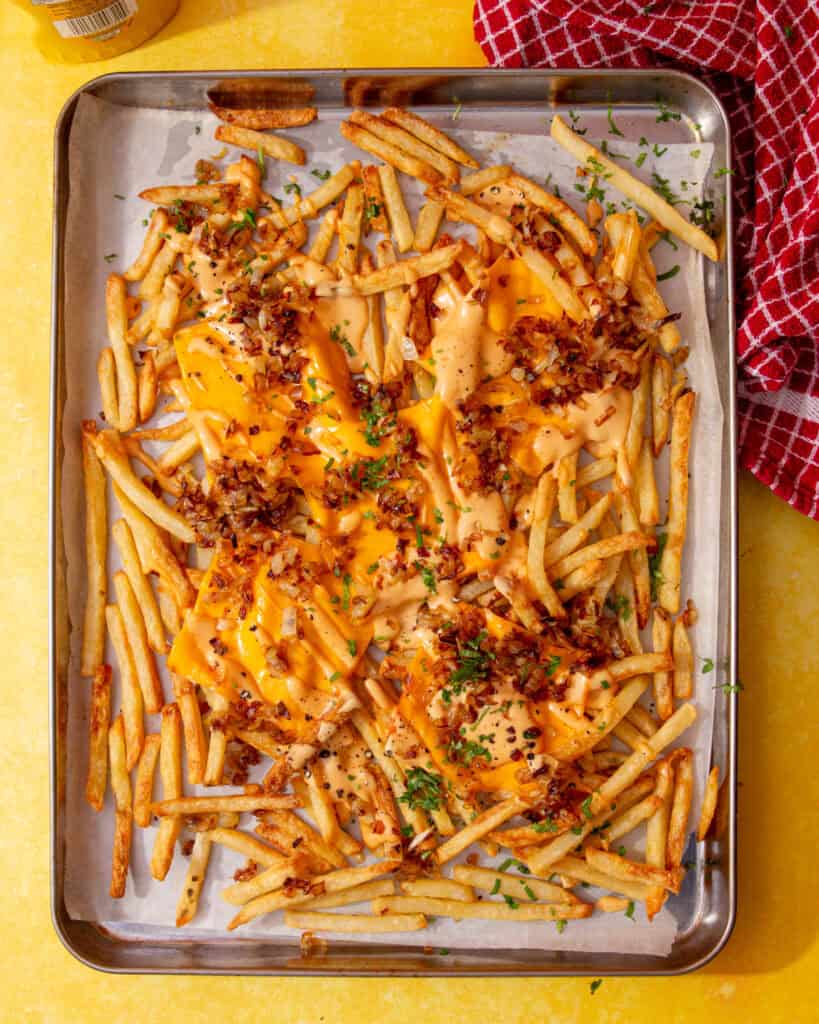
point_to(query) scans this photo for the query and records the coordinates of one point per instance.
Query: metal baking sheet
(706, 908)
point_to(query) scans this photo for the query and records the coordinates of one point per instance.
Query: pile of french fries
(597, 556)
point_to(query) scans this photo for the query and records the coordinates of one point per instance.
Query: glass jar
(76, 31)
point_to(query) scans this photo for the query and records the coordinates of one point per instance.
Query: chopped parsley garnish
(495, 888)
(560, 924)
(473, 661)
(334, 676)
(595, 985)
(427, 574)
(641, 159)
(654, 564)
(118, 196)
(702, 214)
(260, 161)
(465, 751)
(352, 647)
(658, 151)
(110, 257)
(378, 422)
(511, 903)
(662, 187)
(372, 568)
(528, 890)
(345, 594)
(423, 790)
(731, 687)
(373, 210)
(321, 175)
(407, 831)
(369, 473)
(668, 274)
(248, 221)
(707, 665)
(456, 113)
(665, 112)
(575, 119)
(630, 910)
(621, 851)
(340, 338)
(613, 129)
(547, 825)
(585, 807)
(438, 515)
(512, 862)
(722, 172)
(292, 187)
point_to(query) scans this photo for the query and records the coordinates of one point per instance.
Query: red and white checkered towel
(762, 59)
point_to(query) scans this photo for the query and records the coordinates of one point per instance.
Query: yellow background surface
(769, 969)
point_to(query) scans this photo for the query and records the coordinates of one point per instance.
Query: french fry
(117, 320)
(481, 911)
(496, 227)
(606, 548)
(630, 819)
(202, 195)
(334, 881)
(648, 499)
(429, 134)
(287, 832)
(577, 534)
(657, 832)
(484, 178)
(215, 764)
(248, 846)
(324, 239)
(112, 455)
(170, 768)
(151, 245)
(668, 590)
(637, 557)
(144, 785)
(96, 532)
(269, 881)
(261, 118)
(628, 870)
(174, 806)
(370, 923)
(709, 804)
(485, 822)
(375, 212)
(358, 894)
(107, 377)
(544, 503)
(439, 888)
(123, 827)
(402, 272)
(518, 887)
(661, 372)
(98, 724)
(389, 153)
(683, 662)
(627, 247)
(273, 146)
(192, 730)
(680, 806)
(194, 880)
(392, 134)
(131, 692)
(639, 193)
(565, 216)
(661, 641)
(429, 220)
(143, 659)
(310, 205)
(349, 229)
(579, 869)
(567, 488)
(400, 224)
(147, 387)
(141, 587)
(613, 904)
(637, 420)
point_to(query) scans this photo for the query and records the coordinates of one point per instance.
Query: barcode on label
(98, 21)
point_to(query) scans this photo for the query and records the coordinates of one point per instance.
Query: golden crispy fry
(479, 827)
(439, 888)
(261, 118)
(375, 213)
(107, 377)
(194, 880)
(709, 804)
(147, 387)
(273, 146)
(283, 829)
(648, 498)
(324, 239)
(248, 846)
(548, 270)
(429, 220)
(483, 911)
(170, 768)
(661, 373)
(96, 533)
(629, 870)
(141, 587)
(215, 764)
(151, 245)
(565, 216)
(484, 178)
(639, 193)
(117, 320)
(111, 453)
(335, 881)
(496, 227)
(668, 591)
(389, 153)
(131, 693)
(544, 503)
(680, 806)
(358, 894)
(521, 887)
(395, 136)
(661, 640)
(308, 206)
(144, 664)
(580, 870)
(270, 880)
(402, 272)
(577, 534)
(370, 923)
(196, 751)
(144, 785)
(683, 662)
(121, 785)
(203, 195)
(567, 488)
(627, 247)
(429, 134)
(98, 719)
(605, 548)
(657, 832)
(396, 209)
(216, 804)
(349, 229)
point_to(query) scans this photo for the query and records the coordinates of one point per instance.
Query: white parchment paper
(117, 151)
